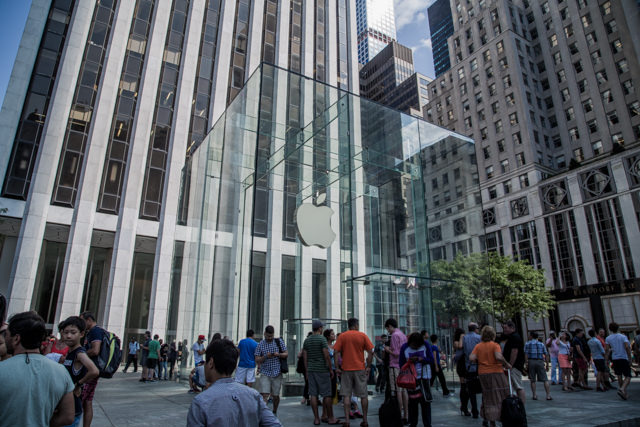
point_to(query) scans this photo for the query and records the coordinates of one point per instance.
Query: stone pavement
(123, 401)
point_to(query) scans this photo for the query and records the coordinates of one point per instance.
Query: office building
(376, 26)
(548, 92)
(440, 28)
(390, 79)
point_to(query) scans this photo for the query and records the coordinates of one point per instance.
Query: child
(78, 364)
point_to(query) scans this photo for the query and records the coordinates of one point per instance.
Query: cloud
(410, 12)
(423, 44)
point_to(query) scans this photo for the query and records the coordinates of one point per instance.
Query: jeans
(554, 369)
(131, 358)
(76, 421)
(162, 367)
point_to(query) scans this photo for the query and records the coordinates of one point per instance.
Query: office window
(574, 134)
(605, 8)
(504, 165)
(611, 26)
(560, 161)
(582, 86)
(612, 117)
(634, 109)
(597, 148)
(564, 93)
(492, 192)
(601, 77)
(506, 81)
(486, 56)
(486, 152)
(568, 30)
(593, 126)
(494, 108)
(622, 66)
(587, 106)
(492, 89)
(561, 75)
(498, 126)
(516, 138)
(578, 66)
(467, 121)
(553, 40)
(592, 39)
(506, 187)
(617, 138)
(569, 114)
(524, 181)
(513, 119)
(520, 160)
(473, 64)
(500, 47)
(616, 46)
(607, 96)
(511, 100)
(578, 155)
(489, 172)
(586, 20)
(500, 145)
(627, 87)
(479, 98)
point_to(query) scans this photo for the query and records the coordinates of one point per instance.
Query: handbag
(407, 376)
(300, 366)
(284, 366)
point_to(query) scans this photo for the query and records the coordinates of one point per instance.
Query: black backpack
(110, 356)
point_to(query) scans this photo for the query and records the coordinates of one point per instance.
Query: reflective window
(123, 116)
(36, 105)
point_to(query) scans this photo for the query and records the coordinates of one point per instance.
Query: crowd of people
(53, 381)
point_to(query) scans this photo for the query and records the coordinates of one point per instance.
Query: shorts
(245, 375)
(581, 363)
(143, 359)
(516, 379)
(319, 384)
(269, 385)
(89, 389)
(151, 363)
(536, 370)
(599, 364)
(622, 367)
(354, 383)
(393, 378)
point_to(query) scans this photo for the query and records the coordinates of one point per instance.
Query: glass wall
(371, 190)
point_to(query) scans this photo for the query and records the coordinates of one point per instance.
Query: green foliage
(483, 284)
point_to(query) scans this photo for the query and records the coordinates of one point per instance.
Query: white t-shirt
(197, 358)
(616, 342)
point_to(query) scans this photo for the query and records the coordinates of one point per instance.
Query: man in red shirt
(350, 364)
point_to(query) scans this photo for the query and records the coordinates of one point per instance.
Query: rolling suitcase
(513, 413)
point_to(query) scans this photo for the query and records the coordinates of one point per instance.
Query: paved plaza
(123, 401)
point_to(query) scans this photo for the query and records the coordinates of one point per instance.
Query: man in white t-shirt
(197, 377)
(619, 352)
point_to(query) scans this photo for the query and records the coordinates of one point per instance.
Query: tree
(481, 284)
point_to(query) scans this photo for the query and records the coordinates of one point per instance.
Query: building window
(519, 207)
(500, 144)
(504, 165)
(517, 140)
(578, 154)
(553, 41)
(569, 114)
(622, 66)
(513, 119)
(612, 117)
(500, 47)
(617, 138)
(493, 193)
(524, 181)
(520, 160)
(627, 87)
(489, 172)
(494, 108)
(605, 8)
(634, 109)
(616, 46)
(597, 148)
(498, 126)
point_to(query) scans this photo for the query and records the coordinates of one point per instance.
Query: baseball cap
(317, 324)
(201, 337)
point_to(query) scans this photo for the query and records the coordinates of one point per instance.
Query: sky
(411, 23)
(13, 15)
(412, 27)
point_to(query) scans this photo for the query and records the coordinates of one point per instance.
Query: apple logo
(313, 223)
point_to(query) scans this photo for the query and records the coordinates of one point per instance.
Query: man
(382, 361)
(132, 356)
(153, 357)
(92, 343)
(580, 358)
(597, 355)
(226, 403)
(196, 378)
(144, 353)
(536, 358)
(619, 352)
(34, 391)
(348, 353)
(472, 382)
(317, 365)
(513, 352)
(246, 372)
(438, 374)
(553, 349)
(268, 354)
(397, 339)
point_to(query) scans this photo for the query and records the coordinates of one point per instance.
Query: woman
(564, 360)
(173, 357)
(461, 370)
(417, 351)
(495, 388)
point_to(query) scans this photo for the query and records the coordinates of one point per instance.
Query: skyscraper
(440, 27)
(547, 91)
(376, 26)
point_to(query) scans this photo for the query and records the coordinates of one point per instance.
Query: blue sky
(13, 15)
(411, 22)
(412, 26)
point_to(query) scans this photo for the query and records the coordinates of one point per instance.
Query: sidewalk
(123, 401)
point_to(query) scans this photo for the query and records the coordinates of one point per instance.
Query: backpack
(110, 356)
(407, 376)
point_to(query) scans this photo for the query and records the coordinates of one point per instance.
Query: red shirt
(352, 345)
